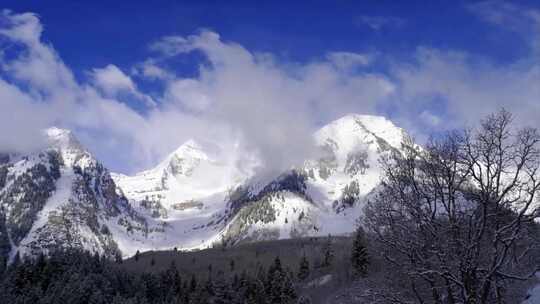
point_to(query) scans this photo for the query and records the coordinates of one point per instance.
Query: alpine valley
(197, 197)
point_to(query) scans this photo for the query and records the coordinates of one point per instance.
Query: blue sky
(180, 70)
(95, 33)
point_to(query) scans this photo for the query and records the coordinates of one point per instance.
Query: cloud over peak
(265, 105)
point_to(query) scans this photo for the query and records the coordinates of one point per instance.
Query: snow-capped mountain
(200, 195)
(325, 195)
(204, 201)
(61, 197)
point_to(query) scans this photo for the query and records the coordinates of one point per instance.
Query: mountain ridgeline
(197, 197)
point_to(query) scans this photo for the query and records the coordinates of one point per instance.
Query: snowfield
(190, 189)
(202, 194)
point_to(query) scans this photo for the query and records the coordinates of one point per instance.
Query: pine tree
(359, 257)
(3, 265)
(137, 256)
(240, 295)
(171, 279)
(288, 293)
(328, 252)
(274, 280)
(279, 285)
(118, 258)
(303, 271)
(304, 300)
(193, 284)
(221, 290)
(231, 264)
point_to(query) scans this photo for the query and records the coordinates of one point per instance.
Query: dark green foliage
(359, 257)
(279, 285)
(3, 175)
(221, 291)
(4, 158)
(5, 245)
(79, 277)
(28, 194)
(328, 253)
(304, 300)
(356, 163)
(350, 194)
(303, 270)
(177, 279)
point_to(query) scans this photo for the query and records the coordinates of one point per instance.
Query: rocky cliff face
(61, 197)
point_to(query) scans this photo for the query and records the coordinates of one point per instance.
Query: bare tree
(457, 217)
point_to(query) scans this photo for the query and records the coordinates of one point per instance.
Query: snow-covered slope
(200, 195)
(204, 201)
(325, 195)
(61, 197)
(190, 174)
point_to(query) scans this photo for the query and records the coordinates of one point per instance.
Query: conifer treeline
(79, 277)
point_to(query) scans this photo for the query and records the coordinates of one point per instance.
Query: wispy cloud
(510, 16)
(379, 22)
(112, 81)
(347, 60)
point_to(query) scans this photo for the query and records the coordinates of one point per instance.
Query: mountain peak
(353, 123)
(72, 151)
(62, 139)
(372, 122)
(360, 116)
(189, 150)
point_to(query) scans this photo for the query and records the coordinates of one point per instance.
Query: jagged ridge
(196, 197)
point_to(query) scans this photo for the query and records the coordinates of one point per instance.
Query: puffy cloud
(188, 93)
(274, 106)
(24, 28)
(26, 111)
(16, 107)
(238, 95)
(260, 103)
(113, 81)
(150, 70)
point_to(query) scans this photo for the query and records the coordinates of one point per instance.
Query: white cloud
(272, 107)
(149, 69)
(430, 119)
(24, 28)
(113, 81)
(348, 60)
(511, 16)
(466, 92)
(268, 105)
(275, 109)
(188, 93)
(379, 22)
